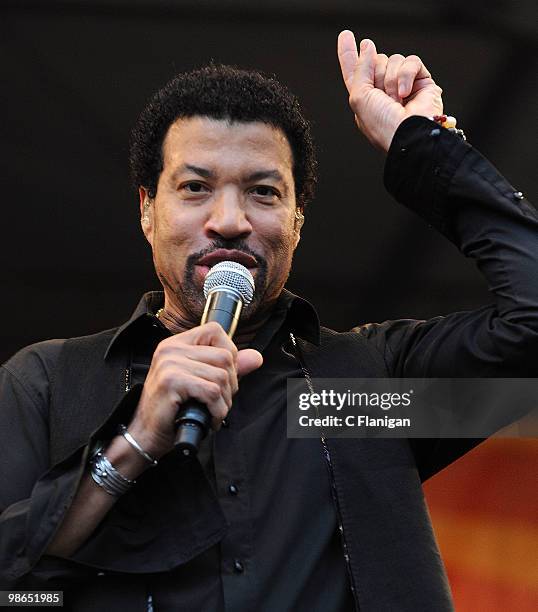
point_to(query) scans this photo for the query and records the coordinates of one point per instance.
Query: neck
(245, 333)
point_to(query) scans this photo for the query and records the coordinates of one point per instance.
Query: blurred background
(75, 76)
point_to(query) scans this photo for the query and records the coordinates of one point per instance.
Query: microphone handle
(193, 419)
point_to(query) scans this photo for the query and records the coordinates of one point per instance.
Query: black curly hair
(222, 92)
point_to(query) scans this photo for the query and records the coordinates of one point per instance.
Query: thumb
(365, 71)
(248, 360)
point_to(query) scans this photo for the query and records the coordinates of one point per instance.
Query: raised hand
(383, 91)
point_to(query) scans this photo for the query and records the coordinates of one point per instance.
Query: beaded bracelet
(107, 476)
(449, 122)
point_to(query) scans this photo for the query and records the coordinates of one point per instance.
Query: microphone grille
(230, 275)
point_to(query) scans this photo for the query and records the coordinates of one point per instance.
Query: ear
(297, 225)
(146, 213)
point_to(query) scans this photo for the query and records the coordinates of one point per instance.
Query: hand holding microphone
(228, 285)
(202, 364)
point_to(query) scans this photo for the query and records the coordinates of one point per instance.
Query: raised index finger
(348, 56)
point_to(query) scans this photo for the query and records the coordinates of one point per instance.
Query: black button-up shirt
(282, 548)
(267, 560)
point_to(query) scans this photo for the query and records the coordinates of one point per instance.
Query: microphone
(227, 287)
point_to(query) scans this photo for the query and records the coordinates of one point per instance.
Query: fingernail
(401, 89)
(364, 44)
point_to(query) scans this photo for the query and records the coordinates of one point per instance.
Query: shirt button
(233, 489)
(238, 567)
(224, 423)
(518, 195)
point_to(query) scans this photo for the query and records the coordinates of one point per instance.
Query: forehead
(224, 143)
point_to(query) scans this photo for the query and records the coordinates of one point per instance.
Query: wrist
(124, 458)
(391, 132)
(124, 432)
(155, 444)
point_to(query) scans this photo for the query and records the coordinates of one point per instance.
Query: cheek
(276, 228)
(171, 247)
(174, 231)
(279, 243)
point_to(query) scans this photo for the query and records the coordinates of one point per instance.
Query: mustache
(235, 244)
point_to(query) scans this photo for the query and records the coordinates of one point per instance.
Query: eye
(264, 191)
(194, 187)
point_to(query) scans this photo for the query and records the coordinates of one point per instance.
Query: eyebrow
(197, 170)
(258, 175)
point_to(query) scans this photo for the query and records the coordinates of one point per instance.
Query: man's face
(226, 192)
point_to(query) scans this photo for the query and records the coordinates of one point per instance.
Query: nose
(227, 217)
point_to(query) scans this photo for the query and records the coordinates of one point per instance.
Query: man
(223, 161)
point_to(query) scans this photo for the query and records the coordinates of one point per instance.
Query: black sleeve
(456, 190)
(25, 493)
(34, 495)
(151, 528)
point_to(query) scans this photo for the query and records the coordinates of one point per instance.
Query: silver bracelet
(123, 431)
(107, 476)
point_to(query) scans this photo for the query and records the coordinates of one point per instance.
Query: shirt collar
(300, 314)
(302, 317)
(146, 308)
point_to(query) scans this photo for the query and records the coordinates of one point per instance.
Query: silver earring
(145, 217)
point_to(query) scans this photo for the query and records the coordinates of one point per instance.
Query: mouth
(204, 264)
